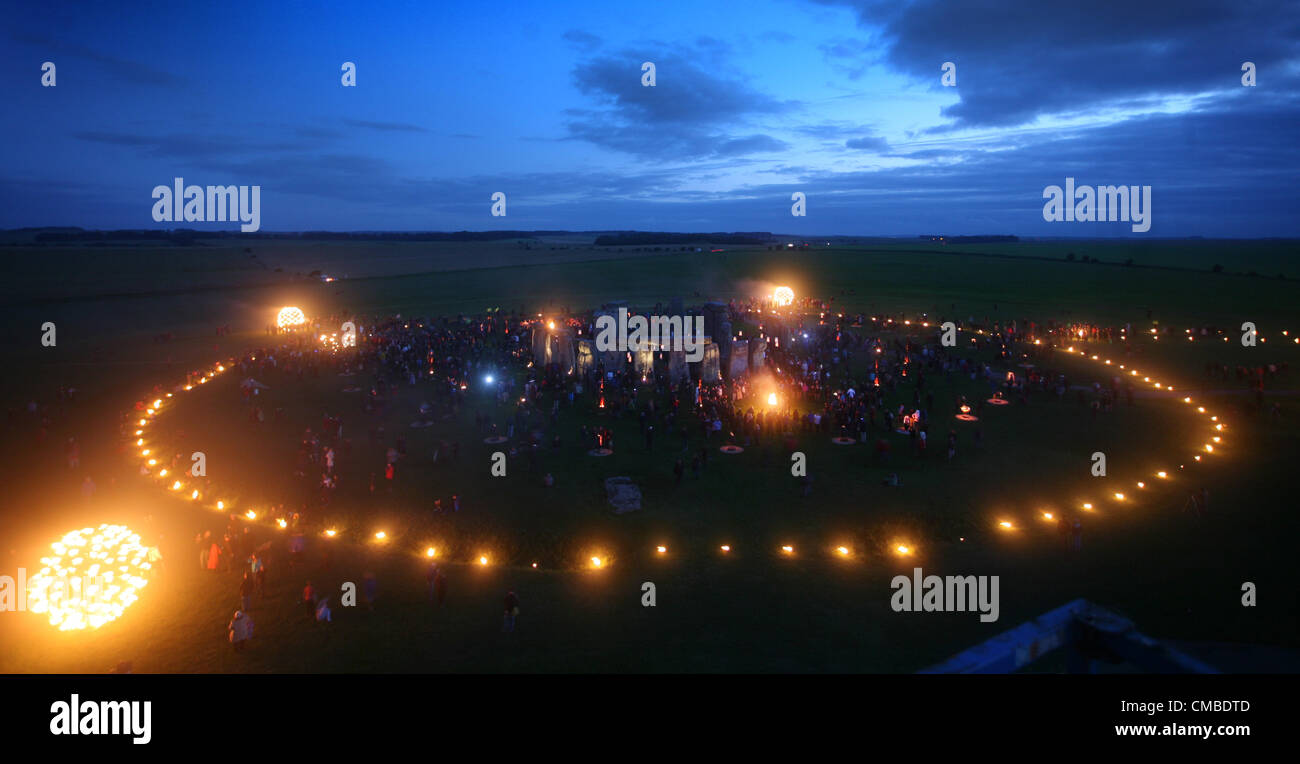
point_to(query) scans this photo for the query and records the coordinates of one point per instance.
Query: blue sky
(839, 99)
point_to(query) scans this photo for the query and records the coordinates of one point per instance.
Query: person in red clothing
(309, 600)
(512, 610)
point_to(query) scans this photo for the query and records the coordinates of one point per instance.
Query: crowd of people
(855, 377)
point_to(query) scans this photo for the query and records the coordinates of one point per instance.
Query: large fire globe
(783, 295)
(91, 577)
(289, 317)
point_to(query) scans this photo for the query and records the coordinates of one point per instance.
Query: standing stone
(677, 371)
(715, 315)
(562, 350)
(739, 359)
(723, 340)
(710, 369)
(541, 345)
(585, 360)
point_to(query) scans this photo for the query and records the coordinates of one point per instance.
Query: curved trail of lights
(181, 490)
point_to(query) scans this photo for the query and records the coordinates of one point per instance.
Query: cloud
(868, 143)
(582, 39)
(120, 68)
(186, 146)
(687, 142)
(388, 126)
(690, 113)
(1018, 60)
(1226, 172)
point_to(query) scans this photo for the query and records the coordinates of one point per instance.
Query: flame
(77, 598)
(290, 316)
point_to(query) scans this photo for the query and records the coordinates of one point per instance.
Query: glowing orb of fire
(783, 295)
(290, 316)
(91, 578)
(771, 399)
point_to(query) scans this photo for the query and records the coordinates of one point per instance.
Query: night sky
(754, 101)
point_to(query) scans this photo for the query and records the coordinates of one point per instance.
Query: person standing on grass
(323, 613)
(259, 574)
(246, 592)
(309, 600)
(512, 612)
(240, 630)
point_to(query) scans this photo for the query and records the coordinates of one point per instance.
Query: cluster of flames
(334, 341)
(91, 578)
(290, 317)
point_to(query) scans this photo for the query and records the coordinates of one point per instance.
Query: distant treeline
(188, 235)
(995, 239)
(639, 238)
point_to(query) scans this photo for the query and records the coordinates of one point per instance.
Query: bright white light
(290, 316)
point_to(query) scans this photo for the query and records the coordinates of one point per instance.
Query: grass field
(753, 610)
